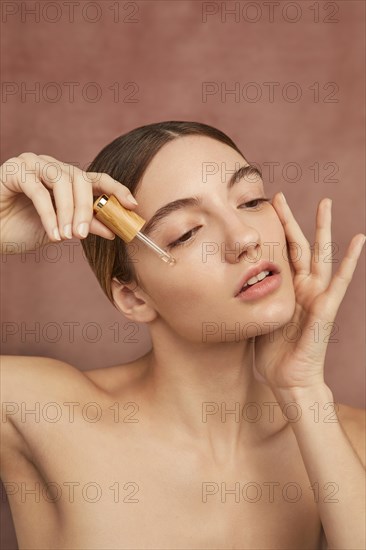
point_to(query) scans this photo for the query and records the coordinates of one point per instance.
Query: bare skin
(166, 480)
(151, 480)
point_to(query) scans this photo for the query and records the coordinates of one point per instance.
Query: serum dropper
(126, 224)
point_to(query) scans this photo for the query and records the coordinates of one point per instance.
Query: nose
(240, 239)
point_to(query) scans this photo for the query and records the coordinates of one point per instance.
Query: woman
(189, 447)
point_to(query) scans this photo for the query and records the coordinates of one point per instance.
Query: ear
(132, 302)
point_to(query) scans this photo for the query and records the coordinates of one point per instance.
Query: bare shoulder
(118, 377)
(28, 383)
(22, 373)
(27, 380)
(353, 421)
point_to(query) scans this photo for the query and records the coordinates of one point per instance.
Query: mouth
(255, 275)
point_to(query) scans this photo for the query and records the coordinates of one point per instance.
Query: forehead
(185, 166)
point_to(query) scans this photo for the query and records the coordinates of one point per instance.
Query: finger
(320, 264)
(72, 194)
(83, 204)
(343, 276)
(72, 191)
(41, 200)
(103, 183)
(299, 247)
(39, 169)
(51, 160)
(62, 190)
(74, 199)
(63, 197)
(98, 228)
(48, 172)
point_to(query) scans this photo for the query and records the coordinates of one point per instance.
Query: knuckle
(10, 168)
(12, 161)
(28, 156)
(110, 179)
(48, 157)
(92, 177)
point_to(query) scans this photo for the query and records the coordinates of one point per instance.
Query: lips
(255, 270)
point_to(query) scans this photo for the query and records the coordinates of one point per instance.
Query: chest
(140, 490)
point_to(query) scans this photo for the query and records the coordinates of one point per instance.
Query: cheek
(184, 301)
(186, 292)
(171, 286)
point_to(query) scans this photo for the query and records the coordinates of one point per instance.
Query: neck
(208, 393)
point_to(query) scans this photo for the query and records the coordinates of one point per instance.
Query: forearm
(329, 458)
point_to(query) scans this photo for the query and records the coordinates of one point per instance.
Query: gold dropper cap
(126, 224)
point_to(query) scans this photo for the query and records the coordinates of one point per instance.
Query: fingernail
(283, 197)
(67, 231)
(83, 229)
(56, 234)
(131, 198)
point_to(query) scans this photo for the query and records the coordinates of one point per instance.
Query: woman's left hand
(293, 356)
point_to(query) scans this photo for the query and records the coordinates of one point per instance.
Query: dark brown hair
(126, 159)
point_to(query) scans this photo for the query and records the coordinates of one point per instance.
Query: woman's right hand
(43, 200)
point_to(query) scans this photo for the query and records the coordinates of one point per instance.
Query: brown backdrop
(74, 79)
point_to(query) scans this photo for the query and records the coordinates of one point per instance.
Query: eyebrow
(179, 204)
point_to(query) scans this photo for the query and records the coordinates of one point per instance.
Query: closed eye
(256, 201)
(182, 240)
(186, 238)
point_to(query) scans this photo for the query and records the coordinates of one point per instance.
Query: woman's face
(222, 237)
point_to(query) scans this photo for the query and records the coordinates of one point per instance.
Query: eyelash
(179, 241)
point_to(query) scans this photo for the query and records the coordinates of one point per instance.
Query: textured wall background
(76, 78)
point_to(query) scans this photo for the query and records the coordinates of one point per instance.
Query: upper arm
(27, 383)
(353, 421)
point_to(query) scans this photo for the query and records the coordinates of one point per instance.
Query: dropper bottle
(126, 224)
